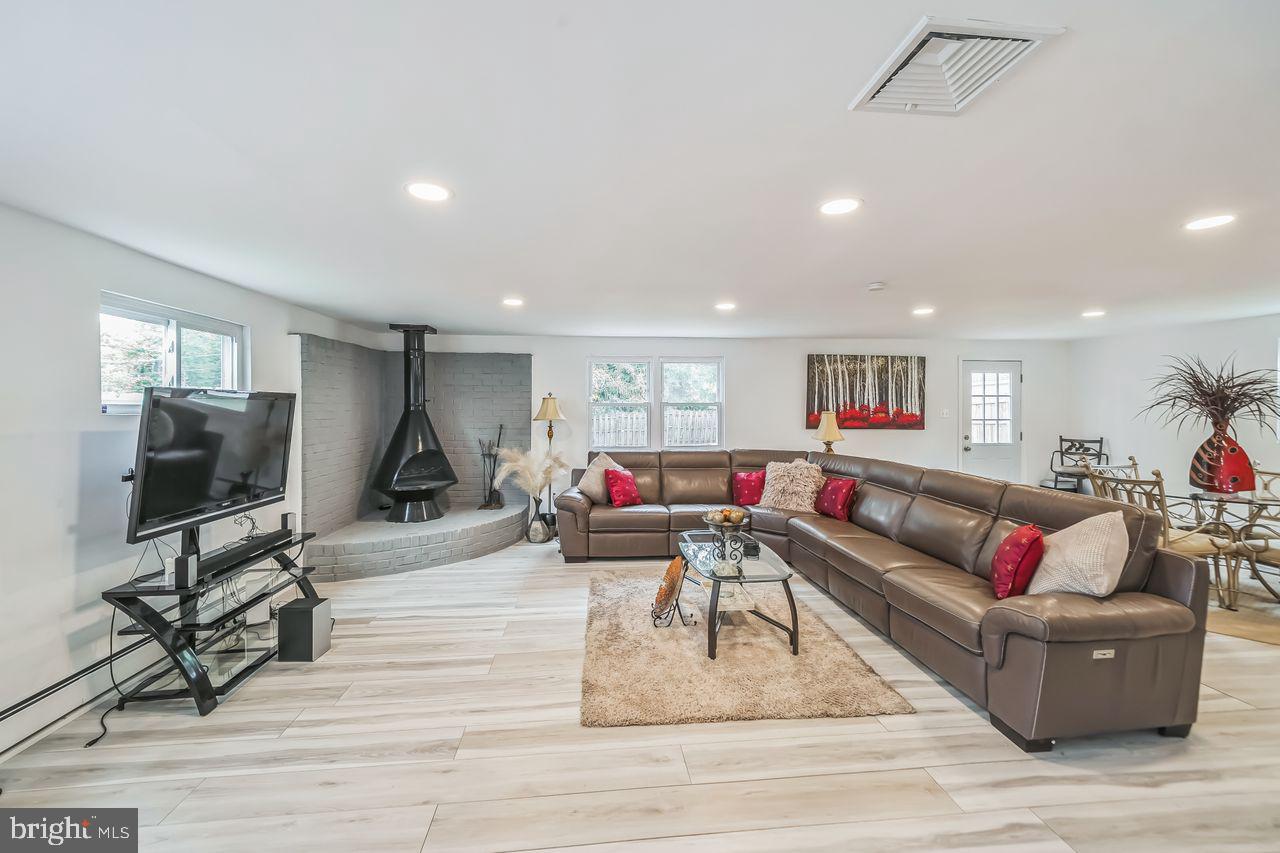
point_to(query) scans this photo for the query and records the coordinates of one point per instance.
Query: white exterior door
(991, 419)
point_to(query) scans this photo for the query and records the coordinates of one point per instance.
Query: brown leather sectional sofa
(914, 560)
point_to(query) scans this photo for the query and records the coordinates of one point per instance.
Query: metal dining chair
(1260, 538)
(1068, 462)
(1184, 528)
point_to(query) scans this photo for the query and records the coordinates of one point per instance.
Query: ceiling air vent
(944, 64)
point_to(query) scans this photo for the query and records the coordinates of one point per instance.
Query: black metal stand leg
(177, 647)
(713, 619)
(795, 619)
(286, 562)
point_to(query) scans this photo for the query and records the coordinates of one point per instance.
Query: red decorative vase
(1221, 465)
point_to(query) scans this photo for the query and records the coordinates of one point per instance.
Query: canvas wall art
(866, 391)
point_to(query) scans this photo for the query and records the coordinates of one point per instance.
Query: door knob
(967, 448)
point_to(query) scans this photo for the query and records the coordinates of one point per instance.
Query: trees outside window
(142, 344)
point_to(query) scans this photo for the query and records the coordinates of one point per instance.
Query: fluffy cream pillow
(592, 482)
(1086, 557)
(791, 485)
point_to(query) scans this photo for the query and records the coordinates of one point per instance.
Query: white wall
(1111, 383)
(62, 505)
(765, 389)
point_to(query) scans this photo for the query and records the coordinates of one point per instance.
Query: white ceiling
(624, 165)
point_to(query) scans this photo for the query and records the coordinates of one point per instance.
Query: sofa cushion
(592, 480)
(1016, 560)
(695, 476)
(813, 531)
(1087, 557)
(622, 488)
(689, 516)
(868, 557)
(606, 518)
(835, 497)
(968, 490)
(951, 532)
(748, 487)
(879, 509)
(773, 520)
(949, 600)
(791, 485)
(999, 532)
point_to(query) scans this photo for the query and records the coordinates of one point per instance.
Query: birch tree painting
(866, 391)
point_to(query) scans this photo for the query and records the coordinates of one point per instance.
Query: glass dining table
(1251, 518)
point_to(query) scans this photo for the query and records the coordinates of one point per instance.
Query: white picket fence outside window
(613, 428)
(680, 428)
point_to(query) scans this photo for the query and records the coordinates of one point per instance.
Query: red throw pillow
(622, 488)
(1016, 561)
(748, 486)
(836, 497)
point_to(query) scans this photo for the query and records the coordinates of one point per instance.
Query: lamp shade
(549, 410)
(827, 429)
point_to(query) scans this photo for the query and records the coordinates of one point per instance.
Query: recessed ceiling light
(837, 206)
(429, 192)
(1091, 314)
(1209, 222)
(513, 301)
(922, 311)
(725, 306)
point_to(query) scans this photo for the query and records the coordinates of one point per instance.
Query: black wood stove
(414, 470)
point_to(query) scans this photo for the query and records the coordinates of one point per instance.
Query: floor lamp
(549, 411)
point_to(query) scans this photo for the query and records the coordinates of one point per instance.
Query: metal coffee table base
(714, 618)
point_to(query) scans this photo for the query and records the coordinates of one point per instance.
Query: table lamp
(828, 432)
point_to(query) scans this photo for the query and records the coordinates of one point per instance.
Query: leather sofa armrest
(1180, 578)
(572, 500)
(1065, 617)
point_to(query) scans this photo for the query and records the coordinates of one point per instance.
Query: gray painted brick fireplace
(352, 398)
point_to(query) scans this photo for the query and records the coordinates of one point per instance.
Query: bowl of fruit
(727, 520)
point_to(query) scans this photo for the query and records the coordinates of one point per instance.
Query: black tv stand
(186, 630)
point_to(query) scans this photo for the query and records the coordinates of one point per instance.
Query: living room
(728, 426)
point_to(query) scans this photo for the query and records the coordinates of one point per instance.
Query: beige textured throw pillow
(791, 485)
(1086, 557)
(592, 482)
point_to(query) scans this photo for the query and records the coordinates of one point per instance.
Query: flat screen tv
(205, 455)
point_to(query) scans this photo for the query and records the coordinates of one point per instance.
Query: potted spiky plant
(1193, 392)
(532, 472)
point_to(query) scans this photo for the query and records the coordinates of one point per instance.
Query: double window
(143, 344)
(679, 400)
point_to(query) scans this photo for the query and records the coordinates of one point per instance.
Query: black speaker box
(305, 625)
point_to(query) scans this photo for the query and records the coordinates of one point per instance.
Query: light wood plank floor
(445, 718)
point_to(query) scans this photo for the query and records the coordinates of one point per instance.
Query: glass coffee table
(703, 554)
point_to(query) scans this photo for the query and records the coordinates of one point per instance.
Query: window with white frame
(692, 402)
(143, 344)
(680, 401)
(621, 403)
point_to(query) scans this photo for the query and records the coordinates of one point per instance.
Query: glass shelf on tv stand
(226, 601)
(157, 584)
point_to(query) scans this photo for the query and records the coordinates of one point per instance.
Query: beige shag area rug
(638, 675)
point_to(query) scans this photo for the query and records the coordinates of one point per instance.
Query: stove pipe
(414, 469)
